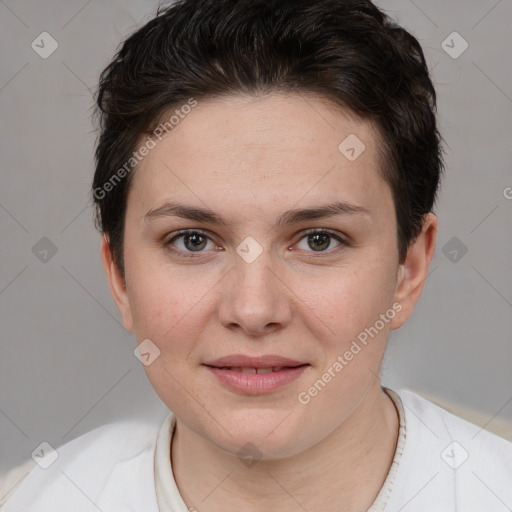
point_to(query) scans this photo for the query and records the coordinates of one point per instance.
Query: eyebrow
(287, 218)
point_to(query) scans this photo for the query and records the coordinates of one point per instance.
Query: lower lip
(257, 383)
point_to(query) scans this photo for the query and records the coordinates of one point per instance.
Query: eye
(190, 241)
(194, 241)
(319, 240)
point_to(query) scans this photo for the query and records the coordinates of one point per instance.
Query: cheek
(350, 304)
(352, 299)
(169, 306)
(160, 309)
(169, 310)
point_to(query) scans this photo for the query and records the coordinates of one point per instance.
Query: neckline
(169, 497)
(380, 502)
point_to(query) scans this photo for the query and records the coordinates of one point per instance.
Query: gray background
(67, 365)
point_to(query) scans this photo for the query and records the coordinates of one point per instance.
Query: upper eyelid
(183, 232)
(341, 239)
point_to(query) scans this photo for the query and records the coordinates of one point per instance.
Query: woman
(265, 178)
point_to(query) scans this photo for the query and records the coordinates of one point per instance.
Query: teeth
(255, 370)
(243, 370)
(264, 370)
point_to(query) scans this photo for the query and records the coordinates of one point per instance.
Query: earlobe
(414, 270)
(117, 284)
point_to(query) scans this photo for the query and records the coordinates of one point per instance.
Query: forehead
(263, 150)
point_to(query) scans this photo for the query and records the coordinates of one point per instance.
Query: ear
(117, 284)
(413, 271)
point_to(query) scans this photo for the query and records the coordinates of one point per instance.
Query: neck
(345, 471)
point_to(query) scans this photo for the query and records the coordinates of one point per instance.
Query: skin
(249, 160)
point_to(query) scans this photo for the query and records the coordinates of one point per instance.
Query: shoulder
(481, 442)
(95, 470)
(448, 462)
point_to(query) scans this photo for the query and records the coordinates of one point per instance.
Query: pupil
(198, 241)
(322, 238)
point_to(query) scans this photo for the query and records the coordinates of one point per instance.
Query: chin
(260, 435)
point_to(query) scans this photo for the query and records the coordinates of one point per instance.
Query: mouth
(256, 379)
(251, 370)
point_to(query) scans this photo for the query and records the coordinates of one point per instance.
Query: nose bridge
(256, 301)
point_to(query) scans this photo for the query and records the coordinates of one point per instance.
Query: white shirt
(442, 464)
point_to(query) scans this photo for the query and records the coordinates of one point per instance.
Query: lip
(255, 383)
(244, 361)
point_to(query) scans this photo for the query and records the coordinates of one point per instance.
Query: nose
(255, 298)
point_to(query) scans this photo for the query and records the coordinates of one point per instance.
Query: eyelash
(314, 231)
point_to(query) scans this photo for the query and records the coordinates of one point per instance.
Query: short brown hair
(348, 51)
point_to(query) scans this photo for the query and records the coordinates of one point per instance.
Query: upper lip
(244, 361)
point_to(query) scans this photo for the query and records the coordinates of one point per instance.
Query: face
(250, 233)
